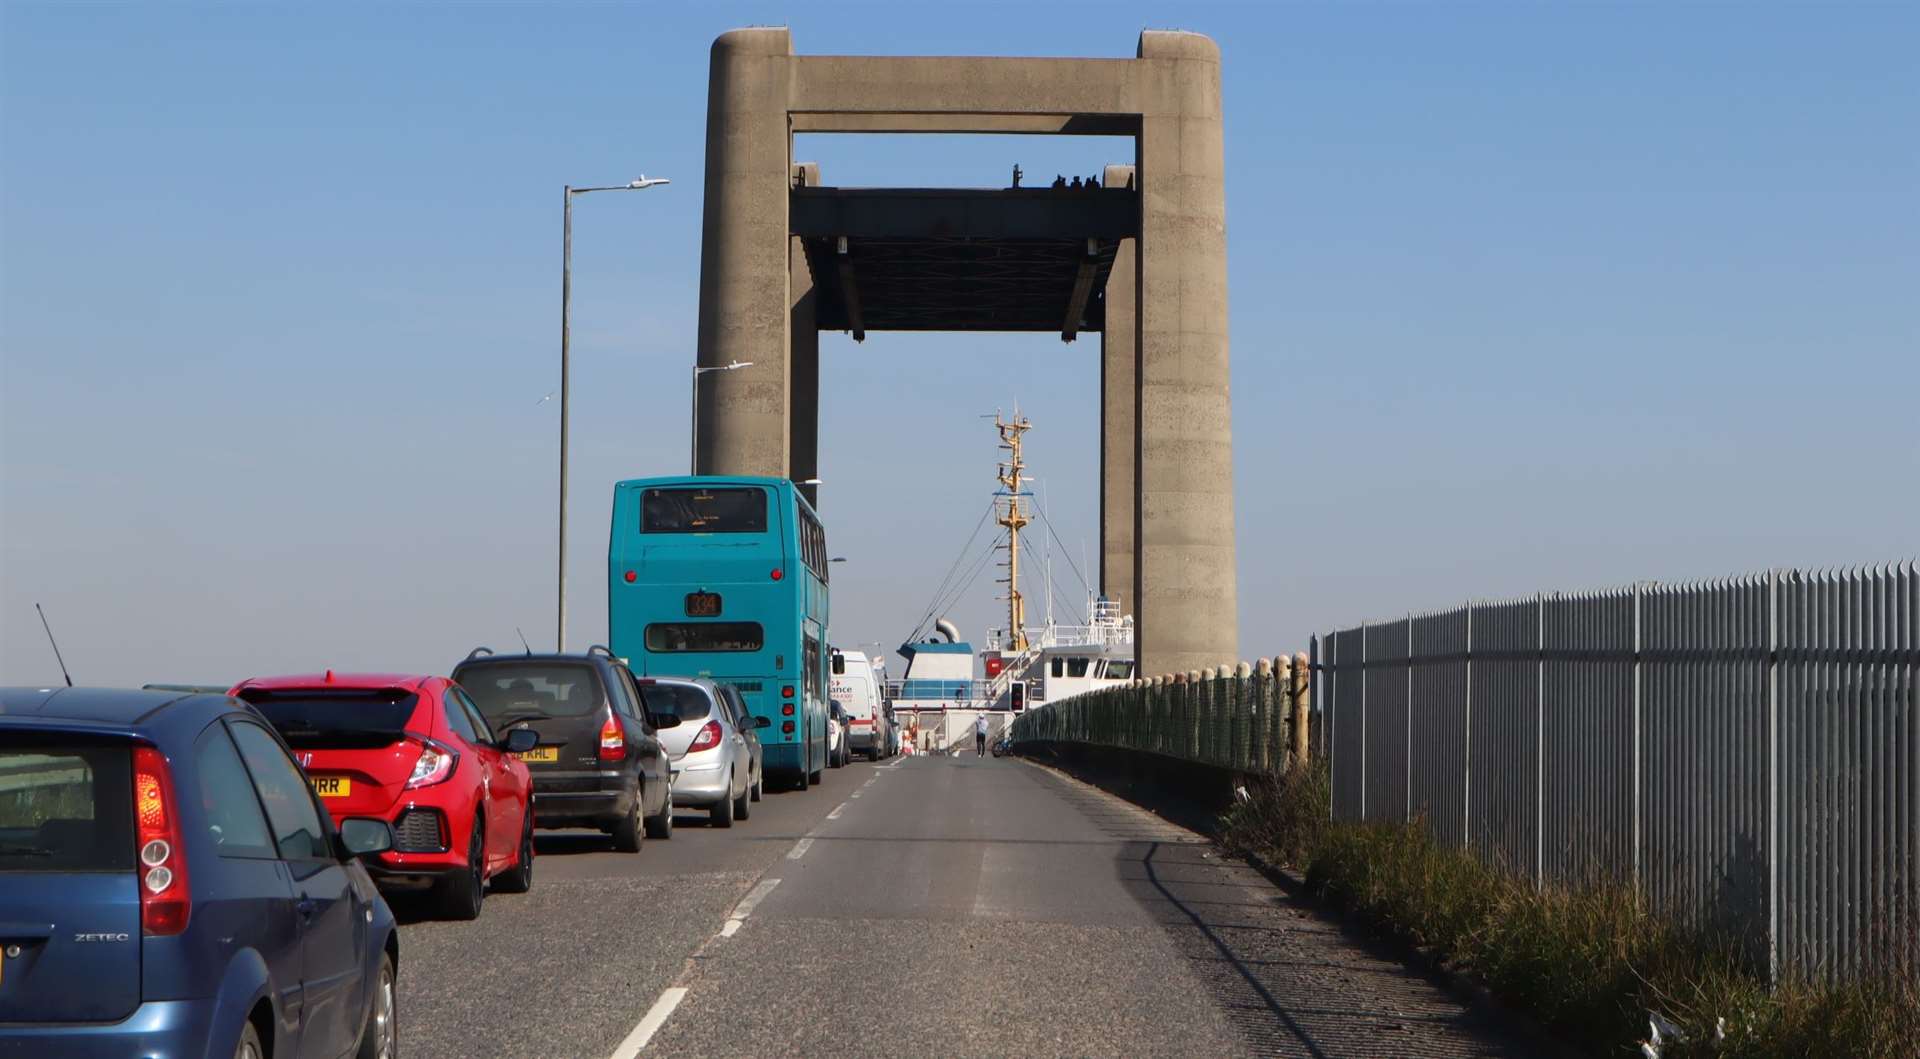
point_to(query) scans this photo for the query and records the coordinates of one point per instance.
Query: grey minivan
(713, 766)
(601, 760)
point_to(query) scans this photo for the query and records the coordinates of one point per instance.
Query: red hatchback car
(415, 752)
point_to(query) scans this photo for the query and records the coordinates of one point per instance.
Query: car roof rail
(477, 652)
(601, 648)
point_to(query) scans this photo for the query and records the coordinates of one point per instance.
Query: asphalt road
(923, 906)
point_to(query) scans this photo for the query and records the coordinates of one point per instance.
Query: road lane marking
(800, 848)
(754, 897)
(732, 928)
(835, 815)
(649, 1025)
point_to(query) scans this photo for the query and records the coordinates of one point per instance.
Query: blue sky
(1523, 297)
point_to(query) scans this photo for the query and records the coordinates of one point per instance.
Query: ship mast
(1014, 519)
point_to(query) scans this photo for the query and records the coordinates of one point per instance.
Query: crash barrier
(1746, 752)
(1244, 718)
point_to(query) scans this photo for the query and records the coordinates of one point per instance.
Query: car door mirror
(666, 720)
(363, 837)
(520, 740)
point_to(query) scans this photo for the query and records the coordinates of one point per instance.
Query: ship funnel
(947, 626)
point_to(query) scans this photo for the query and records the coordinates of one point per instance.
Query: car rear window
(687, 701)
(66, 807)
(510, 691)
(345, 718)
(740, 510)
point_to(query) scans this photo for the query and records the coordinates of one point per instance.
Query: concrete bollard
(1302, 707)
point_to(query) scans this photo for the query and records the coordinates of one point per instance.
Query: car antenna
(55, 643)
(523, 641)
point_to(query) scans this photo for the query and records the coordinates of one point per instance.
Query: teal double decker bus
(726, 578)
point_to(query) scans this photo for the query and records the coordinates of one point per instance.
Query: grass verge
(1587, 961)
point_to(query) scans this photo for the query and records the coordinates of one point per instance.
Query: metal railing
(1246, 718)
(1746, 751)
(929, 693)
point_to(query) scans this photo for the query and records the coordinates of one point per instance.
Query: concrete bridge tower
(1141, 259)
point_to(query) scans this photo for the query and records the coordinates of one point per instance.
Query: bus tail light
(613, 742)
(777, 573)
(164, 901)
(632, 577)
(786, 709)
(786, 727)
(786, 692)
(708, 737)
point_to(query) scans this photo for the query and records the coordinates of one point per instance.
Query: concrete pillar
(803, 337)
(1119, 441)
(1183, 527)
(744, 303)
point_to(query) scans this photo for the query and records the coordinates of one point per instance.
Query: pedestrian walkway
(1290, 979)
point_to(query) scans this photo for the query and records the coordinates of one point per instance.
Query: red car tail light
(709, 736)
(435, 765)
(613, 741)
(165, 901)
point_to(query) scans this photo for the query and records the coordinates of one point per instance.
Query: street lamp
(566, 326)
(694, 446)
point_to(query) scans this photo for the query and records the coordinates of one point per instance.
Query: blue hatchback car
(170, 886)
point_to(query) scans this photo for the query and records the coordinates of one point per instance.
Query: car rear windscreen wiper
(9, 849)
(515, 717)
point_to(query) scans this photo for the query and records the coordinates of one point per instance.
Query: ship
(948, 682)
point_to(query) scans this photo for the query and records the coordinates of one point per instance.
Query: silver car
(713, 765)
(749, 726)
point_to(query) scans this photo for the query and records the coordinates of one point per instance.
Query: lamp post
(694, 419)
(566, 322)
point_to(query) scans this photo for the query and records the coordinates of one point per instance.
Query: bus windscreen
(738, 510)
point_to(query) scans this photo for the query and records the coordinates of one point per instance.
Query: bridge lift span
(1141, 260)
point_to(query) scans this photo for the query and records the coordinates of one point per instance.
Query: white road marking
(732, 928)
(754, 897)
(800, 848)
(655, 1018)
(835, 815)
(855, 794)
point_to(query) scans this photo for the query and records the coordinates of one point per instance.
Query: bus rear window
(741, 510)
(688, 636)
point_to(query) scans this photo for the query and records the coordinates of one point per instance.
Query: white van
(858, 693)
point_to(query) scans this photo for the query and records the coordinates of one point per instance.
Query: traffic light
(1017, 695)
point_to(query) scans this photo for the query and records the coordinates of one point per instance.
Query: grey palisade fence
(1745, 751)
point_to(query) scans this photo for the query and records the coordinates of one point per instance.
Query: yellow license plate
(332, 786)
(542, 753)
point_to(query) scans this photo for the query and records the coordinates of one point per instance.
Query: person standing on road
(980, 736)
